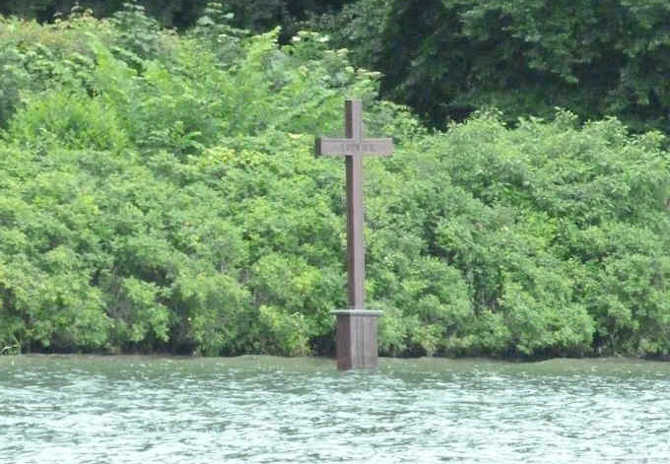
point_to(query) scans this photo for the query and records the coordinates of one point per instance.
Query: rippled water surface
(74, 409)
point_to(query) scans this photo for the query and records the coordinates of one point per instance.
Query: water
(74, 409)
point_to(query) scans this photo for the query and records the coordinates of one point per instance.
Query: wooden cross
(353, 147)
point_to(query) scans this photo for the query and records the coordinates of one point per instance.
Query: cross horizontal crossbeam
(348, 147)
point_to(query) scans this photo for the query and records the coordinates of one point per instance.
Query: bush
(157, 201)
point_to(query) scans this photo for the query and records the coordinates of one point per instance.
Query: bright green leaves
(564, 208)
(138, 313)
(164, 196)
(50, 250)
(538, 234)
(217, 310)
(136, 32)
(74, 121)
(285, 333)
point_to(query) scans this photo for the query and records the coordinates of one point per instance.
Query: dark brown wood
(356, 337)
(337, 147)
(355, 242)
(343, 342)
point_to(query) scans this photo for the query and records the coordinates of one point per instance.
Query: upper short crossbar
(350, 147)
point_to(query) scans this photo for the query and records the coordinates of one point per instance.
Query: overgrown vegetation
(448, 58)
(159, 193)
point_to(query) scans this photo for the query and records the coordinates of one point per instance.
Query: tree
(446, 58)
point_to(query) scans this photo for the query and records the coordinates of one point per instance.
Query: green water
(76, 409)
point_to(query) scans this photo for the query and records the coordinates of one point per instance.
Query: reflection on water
(77, 409)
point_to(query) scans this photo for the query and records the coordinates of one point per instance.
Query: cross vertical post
(355, 224)
(356, 327)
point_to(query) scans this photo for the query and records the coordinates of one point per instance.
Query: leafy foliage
(448, 58)
(529, 56)
(443, 58)
(160, 193)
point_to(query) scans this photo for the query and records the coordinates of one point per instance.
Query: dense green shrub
(165, 197)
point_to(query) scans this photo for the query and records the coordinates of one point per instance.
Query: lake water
(128, 409)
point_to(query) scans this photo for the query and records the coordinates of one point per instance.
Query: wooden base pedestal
(356, 338)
